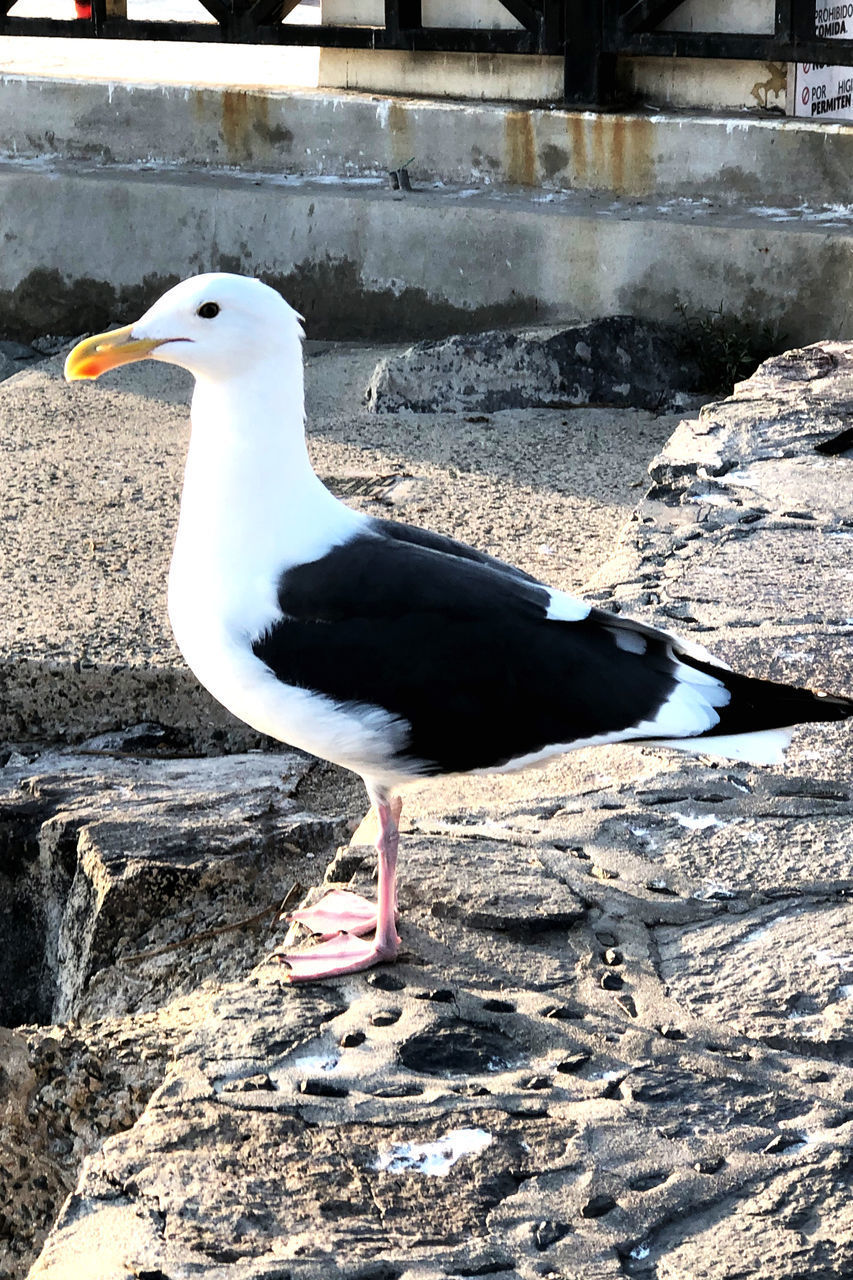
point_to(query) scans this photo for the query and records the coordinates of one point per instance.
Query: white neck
(251, 505)
(249, 482)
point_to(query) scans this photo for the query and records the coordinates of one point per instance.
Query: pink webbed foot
(344, 954)
(339, 911)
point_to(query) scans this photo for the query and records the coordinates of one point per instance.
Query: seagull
(391, 650)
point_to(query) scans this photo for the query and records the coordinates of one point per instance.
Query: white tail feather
(765, 746)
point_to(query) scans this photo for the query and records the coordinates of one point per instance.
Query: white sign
(833, 21)
(820, 91)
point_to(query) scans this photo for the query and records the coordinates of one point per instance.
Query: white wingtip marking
(566, 608)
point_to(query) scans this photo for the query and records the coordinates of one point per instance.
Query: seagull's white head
(216, 325)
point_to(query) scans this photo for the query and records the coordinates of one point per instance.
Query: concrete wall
(475, 76)
(83, 249)
(767, 161)
(694, 83)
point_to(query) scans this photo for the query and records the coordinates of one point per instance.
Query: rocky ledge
(620, 1038)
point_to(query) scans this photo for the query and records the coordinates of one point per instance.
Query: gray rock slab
(746, 526)
(111, 859)
(618, 360)
(618, 1039)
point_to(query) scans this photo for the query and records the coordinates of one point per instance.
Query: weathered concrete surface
(122, 120)
(618, 360)
(359, 263)
(632, 1044)
(620, 1037)
(90, 477)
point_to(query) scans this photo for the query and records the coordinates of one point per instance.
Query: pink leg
(341, 910)
(347, 953)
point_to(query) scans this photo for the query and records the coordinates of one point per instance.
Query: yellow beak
(93, 356)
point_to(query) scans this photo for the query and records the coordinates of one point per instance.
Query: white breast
(247, 515)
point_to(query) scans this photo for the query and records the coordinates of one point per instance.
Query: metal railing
(589, 35)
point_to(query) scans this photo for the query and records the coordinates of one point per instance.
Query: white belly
(215, 634)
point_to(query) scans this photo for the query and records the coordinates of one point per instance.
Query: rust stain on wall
(400, 146)
(247, 133)
(236, 117)
(612, 153)
(521, 167)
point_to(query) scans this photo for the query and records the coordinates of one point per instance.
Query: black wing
(460, 647)
(416, 537)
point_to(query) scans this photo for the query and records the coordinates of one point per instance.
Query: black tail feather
(758, 704)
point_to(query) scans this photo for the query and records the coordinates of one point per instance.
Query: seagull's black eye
(208, 310)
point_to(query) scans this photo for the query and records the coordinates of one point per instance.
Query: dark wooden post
(400, 16)
(803, 24)
(589, 68)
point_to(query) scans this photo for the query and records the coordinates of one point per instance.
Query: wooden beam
(752, 48)
(645, 15)
(529, 17)
(218, 10)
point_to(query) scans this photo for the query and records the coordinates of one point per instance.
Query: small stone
(603, 873)
(812, 1075)
(471, 1090)
(351, 1039)
(563, 1013)
(612, 957)
(669, 1032)
(607, 939)
(612, 1088)
(598, 1206)
(385, 1017)
(401, 1090)
(711, 1164)
(498, 1006)
(569, 1066)
(611, 982)
(248, 1084)
(661, 886)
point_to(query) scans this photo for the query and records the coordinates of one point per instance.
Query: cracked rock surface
(619, 1039)
(617, 360)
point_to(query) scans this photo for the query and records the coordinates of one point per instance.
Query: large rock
(618, 360)
(619, 1040)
